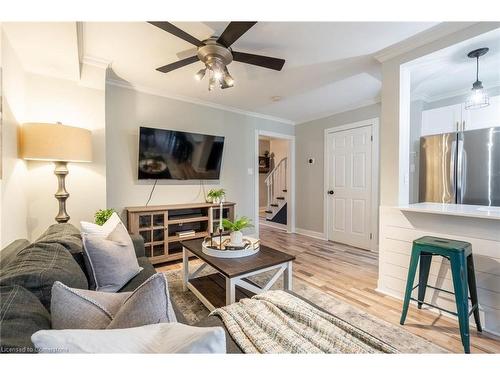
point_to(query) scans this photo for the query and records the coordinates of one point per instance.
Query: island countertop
(464, 210)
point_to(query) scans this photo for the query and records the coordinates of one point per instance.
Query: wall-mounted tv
(176, 155)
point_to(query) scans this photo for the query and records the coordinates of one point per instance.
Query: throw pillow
(112, 259)
(154, 338)
(101, 230)
(86, 309)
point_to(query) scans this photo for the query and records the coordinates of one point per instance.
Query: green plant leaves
(239, 224)
(102, 216)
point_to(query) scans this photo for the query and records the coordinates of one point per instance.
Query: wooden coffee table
(230, 283)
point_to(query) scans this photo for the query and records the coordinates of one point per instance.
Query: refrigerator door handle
(453, 163)
(461, 170)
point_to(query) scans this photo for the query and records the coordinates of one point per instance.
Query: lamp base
(61, 170)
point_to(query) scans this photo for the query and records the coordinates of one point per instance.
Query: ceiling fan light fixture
(228, 79)
(479, 97)
(201, 73)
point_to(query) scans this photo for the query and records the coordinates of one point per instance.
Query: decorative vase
(216, 200)
(236, 238)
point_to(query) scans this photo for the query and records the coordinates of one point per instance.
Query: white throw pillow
(101, 230)
(154, 338)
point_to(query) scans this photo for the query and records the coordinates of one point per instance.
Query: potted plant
(102, 216)
(216, 195)
(235, 228)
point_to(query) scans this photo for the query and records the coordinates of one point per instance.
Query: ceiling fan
(216, 53)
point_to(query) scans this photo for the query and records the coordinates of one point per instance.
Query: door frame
(374, 123)
(290, 227)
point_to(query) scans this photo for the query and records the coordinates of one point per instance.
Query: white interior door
(349, 192)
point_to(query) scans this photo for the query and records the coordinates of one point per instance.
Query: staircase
(276, 183)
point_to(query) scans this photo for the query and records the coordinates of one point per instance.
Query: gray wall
(309, 177)
(127, 109)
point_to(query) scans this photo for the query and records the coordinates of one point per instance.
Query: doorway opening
(274, 180)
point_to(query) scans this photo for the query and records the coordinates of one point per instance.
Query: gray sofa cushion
(21, 315)
(38, 266)
(9, 252)
(68, 236)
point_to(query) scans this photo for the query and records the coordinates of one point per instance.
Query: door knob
(330, 192)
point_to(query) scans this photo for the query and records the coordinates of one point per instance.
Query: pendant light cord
(151, 193)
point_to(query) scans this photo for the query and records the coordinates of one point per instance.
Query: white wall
(309, 179)
(13, 180)
(278, 147)
(416, 108)
(52, 100)
(397, 229)
(127, 109)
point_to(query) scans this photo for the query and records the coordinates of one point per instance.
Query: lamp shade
(55, 142)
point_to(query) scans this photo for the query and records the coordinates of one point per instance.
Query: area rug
(402, 340)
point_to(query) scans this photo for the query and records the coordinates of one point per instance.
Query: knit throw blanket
(278, 322)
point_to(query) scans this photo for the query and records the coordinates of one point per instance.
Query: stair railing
(276, 182)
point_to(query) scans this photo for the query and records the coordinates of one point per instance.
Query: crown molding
(451, 94)
(427, 36)
(347, 108)
(96, 61)
(149, 90)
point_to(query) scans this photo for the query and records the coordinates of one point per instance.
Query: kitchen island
(479, 225)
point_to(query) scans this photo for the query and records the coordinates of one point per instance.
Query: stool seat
(459, 253)
(443, 244)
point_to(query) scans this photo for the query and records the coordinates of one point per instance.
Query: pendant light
(479, 97)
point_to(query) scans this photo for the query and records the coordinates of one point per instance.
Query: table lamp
(60, 144)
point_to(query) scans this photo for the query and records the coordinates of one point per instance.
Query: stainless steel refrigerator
(461, 167)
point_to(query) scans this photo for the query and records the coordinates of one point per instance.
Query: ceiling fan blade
(178, 64)
(174, 30)
(259, 60)
(234, 31)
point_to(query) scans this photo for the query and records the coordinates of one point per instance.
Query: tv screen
(176, 155)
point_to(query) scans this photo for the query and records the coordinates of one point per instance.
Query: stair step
(284, 190)
(268, 212)
(274, 205)
(281, 198)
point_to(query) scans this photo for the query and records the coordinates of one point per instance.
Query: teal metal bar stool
(459, 254)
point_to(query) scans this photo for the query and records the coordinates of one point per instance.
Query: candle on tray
(220, 218)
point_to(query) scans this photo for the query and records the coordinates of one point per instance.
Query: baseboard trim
(273, 225)
(311, 233)
(436, 311)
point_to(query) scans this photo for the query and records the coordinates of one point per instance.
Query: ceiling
(329, 65)
(449, 71)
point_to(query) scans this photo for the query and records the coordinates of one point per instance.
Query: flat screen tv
(176, 155)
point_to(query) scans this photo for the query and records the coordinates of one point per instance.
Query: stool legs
(409, 284)
(423, 275)
(473, 291)
(459, 274)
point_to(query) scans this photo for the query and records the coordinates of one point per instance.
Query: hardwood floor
(350, 274)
